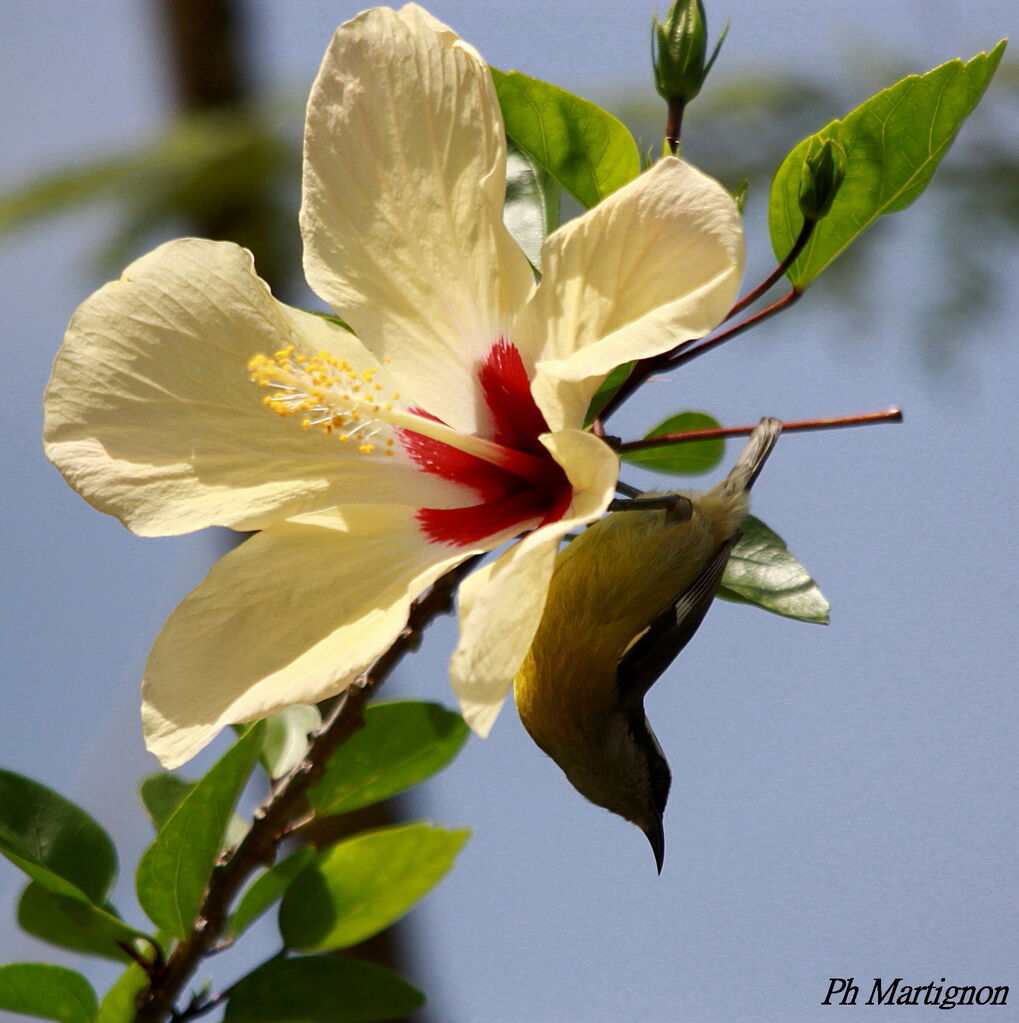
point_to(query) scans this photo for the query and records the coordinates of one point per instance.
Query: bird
(625, 597)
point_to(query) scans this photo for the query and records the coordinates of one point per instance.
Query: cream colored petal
(656, 263)
(404, 181)
(291, 616)
(151, 414)
(501, 603)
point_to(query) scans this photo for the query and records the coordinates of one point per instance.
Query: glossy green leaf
(893, 144)
(53, 841)
(268, 888)
(38, 989)
(361, 886)
(531, 211)
(118, 1005)
(693, 458)
(321, 989)
(608, 388)
(73, 924)
(175, 869)
(761, 571)
(161, 794)
(400, 745)
(286, 738)
(587, 150)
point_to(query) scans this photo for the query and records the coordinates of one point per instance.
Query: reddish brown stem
(691, 349)
(891, 415)
(685, 352)
(674, 124)
(769, 282)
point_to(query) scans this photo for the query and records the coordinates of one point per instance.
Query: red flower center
(537, 494)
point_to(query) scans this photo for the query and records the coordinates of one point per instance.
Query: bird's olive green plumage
(626, 596)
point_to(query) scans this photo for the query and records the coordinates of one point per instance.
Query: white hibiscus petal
(151, 414)
(658, 262)
(404, 182)
(501, 603)
(293, 615)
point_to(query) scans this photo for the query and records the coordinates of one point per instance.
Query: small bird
(625, 598)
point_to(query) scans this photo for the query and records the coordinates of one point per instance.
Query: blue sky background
(845, 798)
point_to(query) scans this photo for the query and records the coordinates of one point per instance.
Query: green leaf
(400, 745)
(267, 888)
(531, 211)
(38, 989)
(893, 143)
(175, 869)
(70, 923)
(53, 841)
(286, 738)
(587, 150)
(360, 886)
(161, 795)
(761, 571)
(118, 1005)
(693, 458)
(321, 989)
(608, 388)
(332, 318)
(65, 189)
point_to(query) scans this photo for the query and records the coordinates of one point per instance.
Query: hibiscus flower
(449, 422)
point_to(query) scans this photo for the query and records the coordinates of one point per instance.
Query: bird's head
(622, 768)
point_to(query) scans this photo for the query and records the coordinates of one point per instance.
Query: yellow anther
(309, 388)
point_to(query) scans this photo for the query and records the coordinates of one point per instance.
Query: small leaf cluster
(328, 897)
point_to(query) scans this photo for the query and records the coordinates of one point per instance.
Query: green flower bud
(824, 168)
(679, 45)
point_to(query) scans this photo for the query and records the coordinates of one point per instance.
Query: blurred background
(845, 799)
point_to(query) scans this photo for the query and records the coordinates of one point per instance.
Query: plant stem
(674, 124)
(769, 282)
(891, 415)
(272, 819)
(691, 349)
(683, 352)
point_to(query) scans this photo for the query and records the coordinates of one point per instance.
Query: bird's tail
(752, 458)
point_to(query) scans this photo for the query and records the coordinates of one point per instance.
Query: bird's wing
(653, 650)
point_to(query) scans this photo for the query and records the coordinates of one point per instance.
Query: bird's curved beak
(656, 836)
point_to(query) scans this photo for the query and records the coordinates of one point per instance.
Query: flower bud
(679, 45)
(823, 171)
